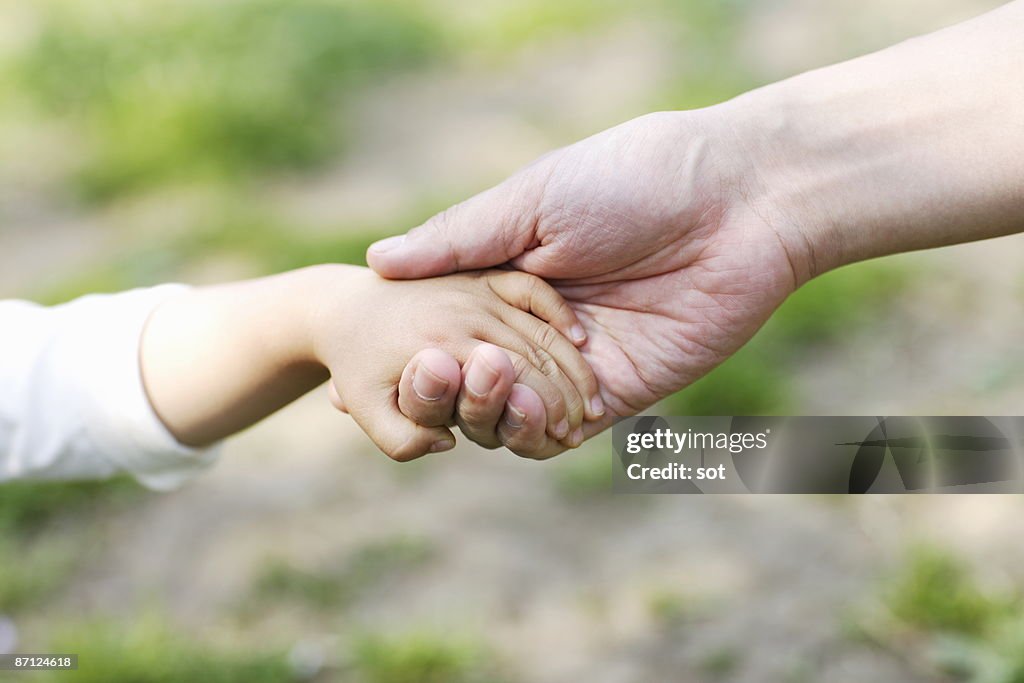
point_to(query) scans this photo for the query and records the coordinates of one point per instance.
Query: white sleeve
(72, 403)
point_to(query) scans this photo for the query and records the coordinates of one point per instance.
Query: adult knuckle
(556, 404)
(532, 359)
(574, 403)
(545, 337)
(521, 365)
(445, 226)
(546, 363)
(441, 222)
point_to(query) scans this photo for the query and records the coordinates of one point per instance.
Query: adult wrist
(760, 179)
(778, 176)
(909, 148)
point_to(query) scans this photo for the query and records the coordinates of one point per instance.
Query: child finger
(537, 358)
(396, 435)
(488, 375)
(428, 388)
(533, 295)
(523, 436)
(542, 375)
(567, 356)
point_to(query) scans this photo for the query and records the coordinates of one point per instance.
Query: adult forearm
(919, 145)
(218, 359)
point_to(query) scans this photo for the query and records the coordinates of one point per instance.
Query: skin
(676, 235)
(218, 359)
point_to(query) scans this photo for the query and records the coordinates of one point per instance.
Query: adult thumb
(487, 230)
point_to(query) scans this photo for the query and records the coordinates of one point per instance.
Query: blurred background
(144, 141)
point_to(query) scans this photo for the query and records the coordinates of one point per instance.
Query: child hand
(368, 331)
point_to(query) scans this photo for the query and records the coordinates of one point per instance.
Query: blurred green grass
(231, 229)
(220, 93)
(32, 574)
(210, 92)
(936, 591)
(337, 585)
(424, 656)
(720, 663)
(511, 26)
(149, 650)
(709, 66)
(582, 475)
(933, 611)
(44, 534)
(29, 509)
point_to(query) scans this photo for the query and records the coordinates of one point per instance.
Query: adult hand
(649, 230)
(674, 236)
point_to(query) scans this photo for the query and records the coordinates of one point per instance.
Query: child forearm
(216, 360)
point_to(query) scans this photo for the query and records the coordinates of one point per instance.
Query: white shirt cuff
(120, 421)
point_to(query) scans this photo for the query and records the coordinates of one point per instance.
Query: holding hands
(650, 231)
(628, 265)
(372, 327)
(271, 340)
(666, 243)
(674, 236)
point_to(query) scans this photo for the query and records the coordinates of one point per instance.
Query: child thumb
(397, 436)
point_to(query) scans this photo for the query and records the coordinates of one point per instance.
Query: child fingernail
(443, 445)
(481, 377)
(597, 406)
(427, 385)
(576, 438)
(561, 429)
(577, 333)
(514, 417)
